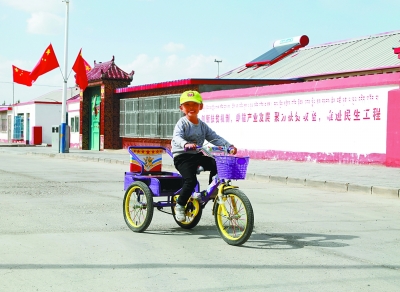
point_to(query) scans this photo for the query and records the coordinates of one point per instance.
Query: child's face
(191, 109)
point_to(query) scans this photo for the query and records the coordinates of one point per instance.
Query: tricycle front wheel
(138, 206)
(234, 217)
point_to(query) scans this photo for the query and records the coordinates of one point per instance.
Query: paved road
(367, 179)
(62, 229)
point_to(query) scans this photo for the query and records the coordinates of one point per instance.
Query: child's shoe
(180, 213)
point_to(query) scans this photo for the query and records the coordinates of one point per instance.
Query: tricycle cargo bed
(166, 184)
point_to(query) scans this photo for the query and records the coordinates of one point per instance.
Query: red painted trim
(331, 84)
(74, 145)
(183, 82)
(37, 102)
(393, 126)
(5, 108)
(341, 72)
(245, 68)
(47, 102)
(21, 141)
(76, 100)
(280, 57)
(347, 158)
(350, 158)
(251, 64)
(126, 142)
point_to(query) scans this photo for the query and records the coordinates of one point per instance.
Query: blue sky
(169, 40)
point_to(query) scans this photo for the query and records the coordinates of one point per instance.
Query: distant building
(42, 112)
(339, 106)
(334, 102)
(5, 124)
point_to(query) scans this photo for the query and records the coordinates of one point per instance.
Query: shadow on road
(297, 240)
(268, 240)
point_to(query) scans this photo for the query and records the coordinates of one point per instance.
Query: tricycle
(148, 187)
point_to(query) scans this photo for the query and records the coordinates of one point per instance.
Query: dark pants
(187, 165)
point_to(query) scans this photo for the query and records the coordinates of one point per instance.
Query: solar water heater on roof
(281, 48)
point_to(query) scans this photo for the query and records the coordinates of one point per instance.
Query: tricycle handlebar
(209, 149)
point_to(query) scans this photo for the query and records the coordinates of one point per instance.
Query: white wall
(41, 114)
(26, 109)
(47, 115)
(4, 135)
(73, 111)
(322, 121)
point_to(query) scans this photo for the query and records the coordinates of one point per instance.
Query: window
(170, 114)
(74, 124)
(149, 116)
(3, 122)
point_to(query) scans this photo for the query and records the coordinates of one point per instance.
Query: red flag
(21, 76)
(47, 63)
(80, 69)
(87, 66)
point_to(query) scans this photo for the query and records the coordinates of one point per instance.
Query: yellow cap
(191, 95)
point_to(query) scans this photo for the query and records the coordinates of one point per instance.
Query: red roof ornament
(397, 51)
(107, 70)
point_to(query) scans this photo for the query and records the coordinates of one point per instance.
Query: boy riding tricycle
(148, 187)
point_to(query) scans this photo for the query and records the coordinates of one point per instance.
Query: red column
(393, 129)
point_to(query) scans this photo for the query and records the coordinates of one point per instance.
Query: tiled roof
(54, 97)
(57, 95)
(108, 70)
(369, 53)
(208, 83)
(73, 99)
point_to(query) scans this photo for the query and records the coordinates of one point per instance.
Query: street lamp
(218, 61)
(63, 127)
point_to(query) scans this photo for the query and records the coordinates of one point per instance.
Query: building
(334, 102)
(113, 115)
(6, 115)
(31, 122)
(338, 103)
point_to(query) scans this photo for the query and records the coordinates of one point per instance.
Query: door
(95, 123)
(9, 129)
(18, 127)
(28, 130)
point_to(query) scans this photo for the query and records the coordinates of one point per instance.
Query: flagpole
(13, 116)
(64, 148)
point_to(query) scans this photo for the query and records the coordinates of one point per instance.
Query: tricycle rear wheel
(138, 206)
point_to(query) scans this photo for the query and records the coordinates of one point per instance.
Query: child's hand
(232, 150)
(190, 146)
